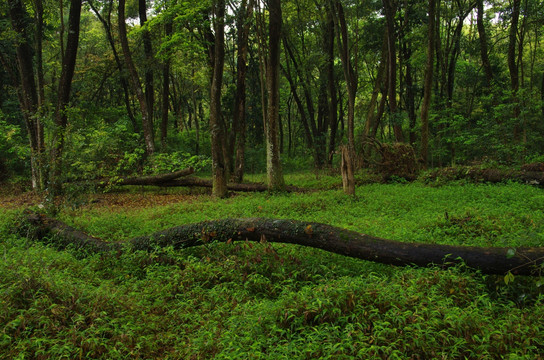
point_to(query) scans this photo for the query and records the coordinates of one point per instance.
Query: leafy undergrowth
(257, 300)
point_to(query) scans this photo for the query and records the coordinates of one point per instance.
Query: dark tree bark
(273, 162)
(371, 118)
(483, 43)
(27, 90)
(165, 90)
(513, 65)
(158, 179)
(147, 123)
(428, 83)
(65, 85)
(351, 84)
(493, 260)
(239, 118)
(219, 170)
(106, 23)
(390, 10)
(331, 84)
(148, 52)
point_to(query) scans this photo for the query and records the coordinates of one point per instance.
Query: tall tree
(390, 8)
(26, 84)
(238, 133)
(148, 53)
(219, 170)
(168, 30)
(65, 85)
(348, 155)
(147, 122)
(428, 82)
(513, 64)
(106, 23)
(273, 162)
(483, 43)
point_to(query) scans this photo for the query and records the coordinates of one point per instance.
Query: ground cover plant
(275, 301)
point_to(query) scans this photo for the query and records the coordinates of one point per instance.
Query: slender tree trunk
(106, 23)
(331, 86)
(65, 86)
(148, 52)
(165, 91)
(390, 11)
(351, 83)
(239, 118)
(372, 119)
(219, 171)
(428, 83)
(28, 95)
(512, 63)
(273, 162)
(483, 43)
(147, 123)
(39, 167)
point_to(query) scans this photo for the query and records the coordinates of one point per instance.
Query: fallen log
(493, 260)
(148, 180)
(245, 187)
(490, 175)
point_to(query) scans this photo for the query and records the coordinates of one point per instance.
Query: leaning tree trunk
(147, 123)
(493, 260)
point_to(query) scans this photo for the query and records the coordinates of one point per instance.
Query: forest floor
(275, 301)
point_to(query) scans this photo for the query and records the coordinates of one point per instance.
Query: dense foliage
(280, 301)
(487, 84)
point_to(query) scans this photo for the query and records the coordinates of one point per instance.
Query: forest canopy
(103, 88)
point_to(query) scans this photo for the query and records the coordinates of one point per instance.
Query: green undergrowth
(274, 301)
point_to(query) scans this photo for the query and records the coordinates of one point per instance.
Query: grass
(246, 300)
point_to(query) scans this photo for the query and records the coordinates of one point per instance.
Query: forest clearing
(271, 179)
(263, 300)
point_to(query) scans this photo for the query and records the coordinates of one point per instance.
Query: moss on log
(491, 260)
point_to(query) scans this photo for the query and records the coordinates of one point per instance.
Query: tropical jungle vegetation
(419, 122)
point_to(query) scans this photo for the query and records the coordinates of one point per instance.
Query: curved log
(493, 260)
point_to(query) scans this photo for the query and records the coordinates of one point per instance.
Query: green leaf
(510, 253)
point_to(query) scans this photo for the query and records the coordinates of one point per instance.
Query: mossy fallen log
(528, 174)
(243, 187)
(147, 180)
(491, 260)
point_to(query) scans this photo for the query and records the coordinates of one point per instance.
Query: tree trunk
(513, 64)
(165, 91)
(239, 118)
(348, 176)
(219, 171)
(492, 260)
(106, 23)
(28, 95)
(147, 123)
(273, 162)
(158, 179)
(65, 86)
(148, 52)
(483, 43)
(390, 11)
(351, 83)
(428, 84)
(331, 86)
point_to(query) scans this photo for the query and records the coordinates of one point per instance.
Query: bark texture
(521, 261)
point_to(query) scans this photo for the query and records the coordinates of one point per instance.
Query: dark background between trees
(104, 88)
